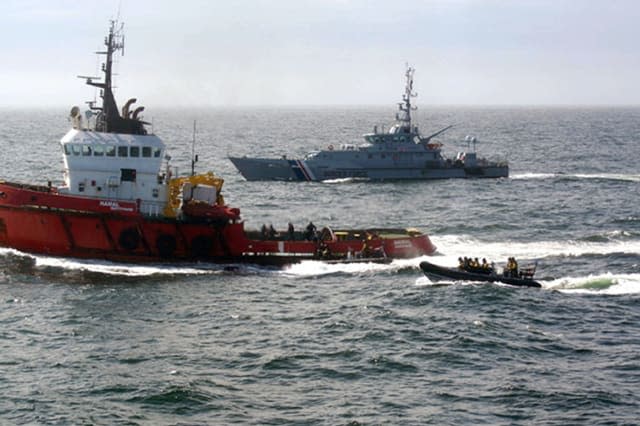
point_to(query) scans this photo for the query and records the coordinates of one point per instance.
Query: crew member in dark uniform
(311, 231)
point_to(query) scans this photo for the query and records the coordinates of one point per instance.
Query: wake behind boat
(399, 153)
(522, 279)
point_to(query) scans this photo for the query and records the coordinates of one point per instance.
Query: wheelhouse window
(134, 151)
(110, 150)
(157, 152)
(86, 150)
(98, 150)
(67, 150)
(76, 149)
(128, 175)
(146, 151)
(123, 151)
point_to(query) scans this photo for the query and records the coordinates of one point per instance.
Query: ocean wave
(532, 176)
(610, 176)
(110, 268)
(577, 176)
(607, 283)
(312, 268)
(599, 284)
(303, 269)
(610, 236)
(453, 246)
(345, 180)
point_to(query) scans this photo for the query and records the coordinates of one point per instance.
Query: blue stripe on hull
(296, 170)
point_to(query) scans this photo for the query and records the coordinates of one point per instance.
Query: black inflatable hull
(439, 272)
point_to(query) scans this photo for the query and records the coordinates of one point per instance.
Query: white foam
(453, 246)
(4, 251)
(531, 176)
(112, 268)
(345, 180)
(603, 284)
(423, 281)
(105, 267)
(607, 283)
(450, 247)
(611, 176)
(316, 268)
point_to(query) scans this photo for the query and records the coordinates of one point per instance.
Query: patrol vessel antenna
(405, 107)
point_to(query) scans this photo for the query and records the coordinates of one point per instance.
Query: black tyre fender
(166, 245)
(201, 246)
(129, 239)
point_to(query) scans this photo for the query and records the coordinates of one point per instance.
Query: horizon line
(340, 105)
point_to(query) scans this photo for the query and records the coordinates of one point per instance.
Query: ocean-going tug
(120, 201)
(398, 154)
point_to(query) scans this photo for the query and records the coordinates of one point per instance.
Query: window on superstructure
(67, 150)
(146, 151)
(98, 150)
(157, 152)
(76, 149)
(127, 175)
(134, 151)
(110, 151)
(86, 150)
(123, 151)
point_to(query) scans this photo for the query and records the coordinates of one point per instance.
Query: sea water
(95, 342)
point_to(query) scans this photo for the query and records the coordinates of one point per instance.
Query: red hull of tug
(40, 220)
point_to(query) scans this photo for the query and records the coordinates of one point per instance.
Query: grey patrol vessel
(399, 153)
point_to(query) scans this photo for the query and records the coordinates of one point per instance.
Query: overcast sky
(326, 52)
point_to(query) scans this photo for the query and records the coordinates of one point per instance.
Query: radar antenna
(405, 107)
(108, 118)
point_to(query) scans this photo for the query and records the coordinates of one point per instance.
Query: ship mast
(109, 119)
(405, 107)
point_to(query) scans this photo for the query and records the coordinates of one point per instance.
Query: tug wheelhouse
(115, 166)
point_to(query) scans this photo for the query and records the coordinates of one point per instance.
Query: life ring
(330, 147)
(166, 245)
(201, 246)
(129, 239)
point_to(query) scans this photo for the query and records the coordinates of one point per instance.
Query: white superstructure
(115, 166)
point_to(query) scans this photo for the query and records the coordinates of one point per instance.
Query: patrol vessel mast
(405, 107)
